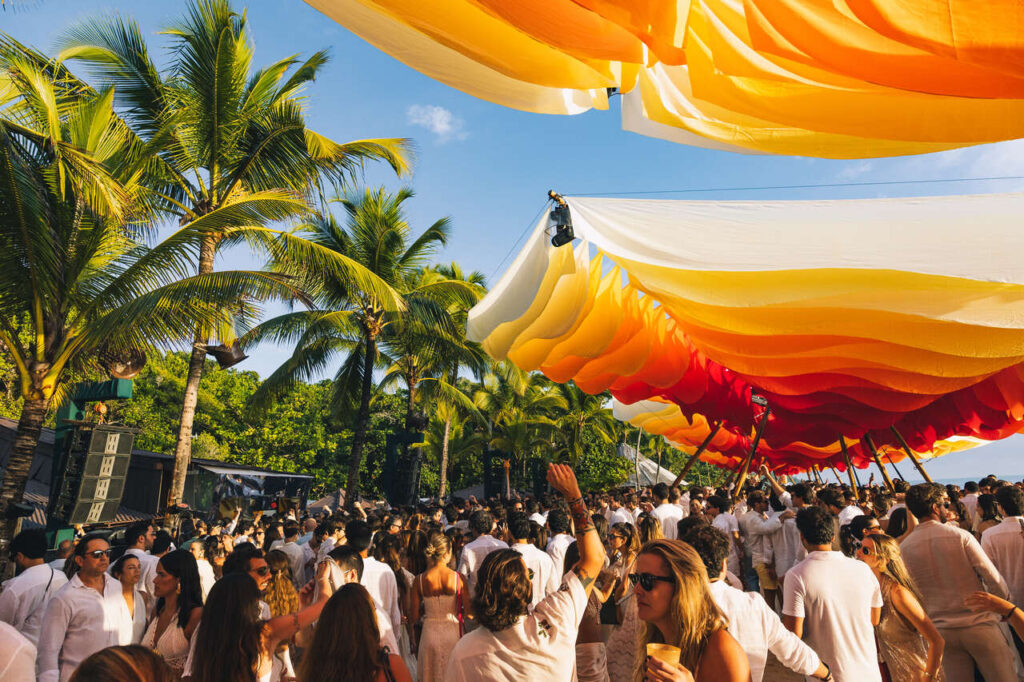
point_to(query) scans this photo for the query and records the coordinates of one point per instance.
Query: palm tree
(348, 320)
(520, 408)
(471, 355)
(226, 131)
(76, 278)
(582, 413)
(452, 437)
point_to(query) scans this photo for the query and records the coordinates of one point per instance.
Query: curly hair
(503, 590)
(923, 496)
(280, 594)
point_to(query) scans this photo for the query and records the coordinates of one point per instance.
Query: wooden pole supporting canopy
(753, 450)
(696, 455)
(911, 454)
(874, 453)
(849, 467)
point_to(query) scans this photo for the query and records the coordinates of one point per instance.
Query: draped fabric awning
(849, 317)
(824, 78)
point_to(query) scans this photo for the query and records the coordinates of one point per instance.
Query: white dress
(622, 644)
(173, 645)
(404, 644)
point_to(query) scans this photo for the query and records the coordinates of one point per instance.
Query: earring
(177, 590)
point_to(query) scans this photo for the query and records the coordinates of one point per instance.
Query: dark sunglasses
(865, 550)
(261, 571)
(647, 580)
(98, 553)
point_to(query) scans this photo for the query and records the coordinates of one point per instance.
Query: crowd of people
(917, 583)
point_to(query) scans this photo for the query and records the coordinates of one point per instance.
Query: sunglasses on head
(647, 580)
(98, 553)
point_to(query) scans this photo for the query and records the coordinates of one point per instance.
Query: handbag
(458, 605)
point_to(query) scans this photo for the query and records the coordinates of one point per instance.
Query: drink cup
(664, 652)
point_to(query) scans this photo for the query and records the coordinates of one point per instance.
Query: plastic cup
(664, 652)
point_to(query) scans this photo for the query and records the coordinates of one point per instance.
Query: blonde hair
(890, 562)
(438, 546)
(693, 609)
(649, 529)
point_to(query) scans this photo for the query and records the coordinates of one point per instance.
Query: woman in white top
(178, 609)
(128, 570)
(512, 643)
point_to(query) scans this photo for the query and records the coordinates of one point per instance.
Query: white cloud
(440, 121)
(855, 170)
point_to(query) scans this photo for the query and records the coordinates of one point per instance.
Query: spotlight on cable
(561, 220)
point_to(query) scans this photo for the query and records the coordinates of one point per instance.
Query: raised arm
(591, 560)
(776, 488)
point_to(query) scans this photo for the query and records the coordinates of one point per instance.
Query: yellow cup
(664, 652)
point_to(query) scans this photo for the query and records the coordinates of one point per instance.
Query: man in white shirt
(63, 552)
(666, 512)
(836, 503)
(632, 507)
(718, 509)
(533, 509)
(834, 599)
(308, 527)
(139, 538)
(559, 526)
(87, 614)
(1004, 544)
(754, 625)
(298, 554)
(619, 513)
(378, 578)
(513, 644)
(948, 564)
(756, 528)
(970, 499)
(25, 596)
(544, 575)
(482, 525)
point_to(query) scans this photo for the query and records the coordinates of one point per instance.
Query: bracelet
(572, 502)
(1009, 614)
(828, 673)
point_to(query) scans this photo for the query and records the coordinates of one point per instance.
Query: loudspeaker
(494, 474)
(401, 475)
(97, 464)
(539, 468)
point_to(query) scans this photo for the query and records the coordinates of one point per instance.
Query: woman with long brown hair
(438, 600)
(346, 643)
(625, 546)
(390, 550)
(232, 643)
(673, 600)
(908, 641)
(179, 592)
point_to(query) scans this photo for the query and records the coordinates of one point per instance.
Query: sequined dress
(903, 649)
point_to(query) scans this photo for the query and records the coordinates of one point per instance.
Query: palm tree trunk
(12, 491)
(444, 458)
(355, 458)
(183, 447)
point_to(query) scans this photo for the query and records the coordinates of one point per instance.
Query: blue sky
(489, 168)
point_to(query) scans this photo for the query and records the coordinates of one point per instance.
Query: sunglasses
(647, 580)
(262, 571)
(866, 551)
(98, 553)
(529, 572)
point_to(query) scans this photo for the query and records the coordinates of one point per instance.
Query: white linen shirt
(79, 621)
(25, 596)
(546, 577)
(380, 581)
(847, 514)
(948, 564)
(473, 555)
(1004, 545)
(621, 515)
(539, 647)
(17, 656)
(556, 550)
(669, 515)
(834, 595)
(758, 630)
(756, 533)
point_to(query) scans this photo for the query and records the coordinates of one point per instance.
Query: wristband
(1009, 614)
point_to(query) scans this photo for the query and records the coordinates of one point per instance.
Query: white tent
(650, 472)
